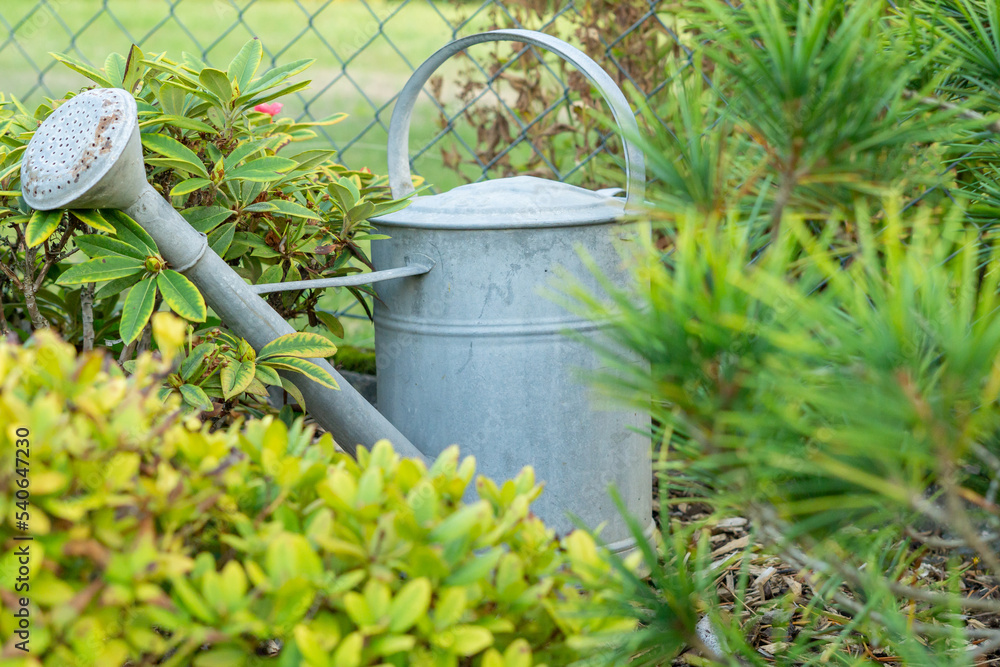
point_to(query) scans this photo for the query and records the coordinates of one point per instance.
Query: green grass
(288, 30)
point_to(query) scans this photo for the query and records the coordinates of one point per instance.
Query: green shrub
(850, 412)
(157, 541)
(835, 378)
(359, 360)
(217, 150)
(217, 365)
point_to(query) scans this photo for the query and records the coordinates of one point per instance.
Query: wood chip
(794, 586)
(764, 577)
(730, 523)
(739, 543)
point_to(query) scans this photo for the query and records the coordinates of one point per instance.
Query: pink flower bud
(272, 109)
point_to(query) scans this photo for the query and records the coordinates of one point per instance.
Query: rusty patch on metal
(76, 144)
(101, 145)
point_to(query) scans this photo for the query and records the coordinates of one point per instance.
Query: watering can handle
(400, 179)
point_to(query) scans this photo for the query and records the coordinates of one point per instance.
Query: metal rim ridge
(501, 225)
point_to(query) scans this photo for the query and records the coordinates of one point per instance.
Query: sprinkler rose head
(86, 154)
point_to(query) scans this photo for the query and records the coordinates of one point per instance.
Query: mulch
(779, 600)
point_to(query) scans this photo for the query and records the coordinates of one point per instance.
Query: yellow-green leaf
(274, 76)
(217, 83)
(133, 69)
(221, 656)
(332, 119)
(409, 604)
(172, 99)
(245, 351)
(95, 245)
(100, 269)
(289, 208)
(211, 591)
(206, 218)
(331, 322)
(182, 296)
(289, 556)
(129, 231)
(182, 122)
(221, 238)
(188, 186)
(309, 647)
(378, 596)
(91, 73)
(41, 226)
(244, 66)
(175, 151)
(191, 601)
(518, 654)
(357, 608)
(275, 442)
(257, 388)
(461, 523)
(262, 169)
(298, 344)
(117, 285)
(114, 67)
(492, 658)
(450, 606)
(290, 387)
(195, 396)
(272, 274)
(268, 375)
(305, 367)
(475, 569)
(234, 585)
(470, 639)
(47, 481)
(581, 549)
(386, 645)
(137, 309)
(348, 653)
(236, 377)
(94, 218)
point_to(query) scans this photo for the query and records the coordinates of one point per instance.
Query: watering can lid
(508, 203)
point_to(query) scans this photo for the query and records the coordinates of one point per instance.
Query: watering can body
(474, 353)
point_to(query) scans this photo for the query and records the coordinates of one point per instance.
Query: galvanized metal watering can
(471, 353)
(467, 351)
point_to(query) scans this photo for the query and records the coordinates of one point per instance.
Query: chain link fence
(364, 50)
(503, 109)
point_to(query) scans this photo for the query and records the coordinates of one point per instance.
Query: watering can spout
(87, 154)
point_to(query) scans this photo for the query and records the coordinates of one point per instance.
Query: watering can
(472, 353)
(467, 351)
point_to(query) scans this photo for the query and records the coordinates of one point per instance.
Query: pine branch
(773, 530)
(965, 114)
